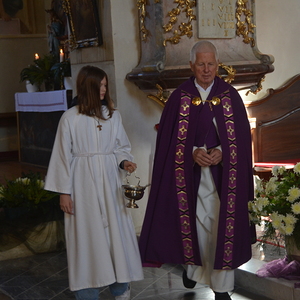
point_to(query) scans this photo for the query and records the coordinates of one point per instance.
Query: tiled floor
(45, 276)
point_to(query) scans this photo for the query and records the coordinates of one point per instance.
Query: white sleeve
(122, 145)
(58, 177)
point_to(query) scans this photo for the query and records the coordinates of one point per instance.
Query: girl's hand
(66, 204)
(129, 166)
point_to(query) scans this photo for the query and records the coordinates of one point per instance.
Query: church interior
(144, 48)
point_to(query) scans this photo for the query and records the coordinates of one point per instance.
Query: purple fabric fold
(281, 268)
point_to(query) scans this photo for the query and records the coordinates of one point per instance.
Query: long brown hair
(88, 92)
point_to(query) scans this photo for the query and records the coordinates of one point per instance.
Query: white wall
(139, 113)
(277, 34)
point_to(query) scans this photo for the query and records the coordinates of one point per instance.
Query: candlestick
(61, 55)
(36, 56)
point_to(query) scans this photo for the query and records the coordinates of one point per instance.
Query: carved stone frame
(161, 50)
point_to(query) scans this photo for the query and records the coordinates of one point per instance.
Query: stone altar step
(273, 288)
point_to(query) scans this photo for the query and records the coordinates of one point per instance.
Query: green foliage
(40, 72)
(26, 191)
(62, 69)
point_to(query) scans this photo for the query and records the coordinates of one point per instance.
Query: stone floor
(45, 276)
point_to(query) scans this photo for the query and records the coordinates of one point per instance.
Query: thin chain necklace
(98, 122)
(103, 102)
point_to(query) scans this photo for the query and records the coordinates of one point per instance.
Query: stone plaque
(216, 19)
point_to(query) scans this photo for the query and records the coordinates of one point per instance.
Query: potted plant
(40, 72)
(30, 215)
(25, 192)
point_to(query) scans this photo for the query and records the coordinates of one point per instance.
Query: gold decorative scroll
(161, 97)
(246, 27)
(184, 28)
(67, 9)
(230, 73)
(256, 88)
(141, 4)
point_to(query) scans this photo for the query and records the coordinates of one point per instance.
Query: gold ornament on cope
(133, 192)
(196, 101)
(214, 101)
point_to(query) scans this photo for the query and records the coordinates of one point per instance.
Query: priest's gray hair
(203, 47)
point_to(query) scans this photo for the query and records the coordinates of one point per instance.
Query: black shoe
(222, 296)
(188, 283)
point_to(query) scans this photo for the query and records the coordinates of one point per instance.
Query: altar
(38, 115)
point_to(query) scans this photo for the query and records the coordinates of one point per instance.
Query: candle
(61, 55)
(36, 56)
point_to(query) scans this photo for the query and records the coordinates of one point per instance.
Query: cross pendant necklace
(98, 126)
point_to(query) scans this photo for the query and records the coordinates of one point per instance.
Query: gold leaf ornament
(184, 28)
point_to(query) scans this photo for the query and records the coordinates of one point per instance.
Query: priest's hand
(66, 204)
(207, 158)
(129, 166)
(215, 155)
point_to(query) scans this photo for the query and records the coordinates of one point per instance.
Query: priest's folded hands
(206, 158)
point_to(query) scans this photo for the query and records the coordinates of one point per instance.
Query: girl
(90, 150)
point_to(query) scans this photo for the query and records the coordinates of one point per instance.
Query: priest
(197, 213)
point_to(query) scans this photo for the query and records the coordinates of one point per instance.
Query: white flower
(261, 203)
(252, 207)
(284, 224)
(40, 183)
(24, 180)
(276, 220)
(296, 208)
(258, 185)
(294, 194)
(288, 229)
(290, 219)
(275, 170)
(297, 168)
(281, 170)
(271, 186)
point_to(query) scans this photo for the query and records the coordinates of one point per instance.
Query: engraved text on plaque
(216, 18)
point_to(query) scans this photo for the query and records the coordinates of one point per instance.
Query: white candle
(36, 56)
(61, 55)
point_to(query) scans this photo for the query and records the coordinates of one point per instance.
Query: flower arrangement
(26, 191)
(277, 204)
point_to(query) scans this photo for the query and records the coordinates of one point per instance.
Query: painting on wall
(84, 23)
